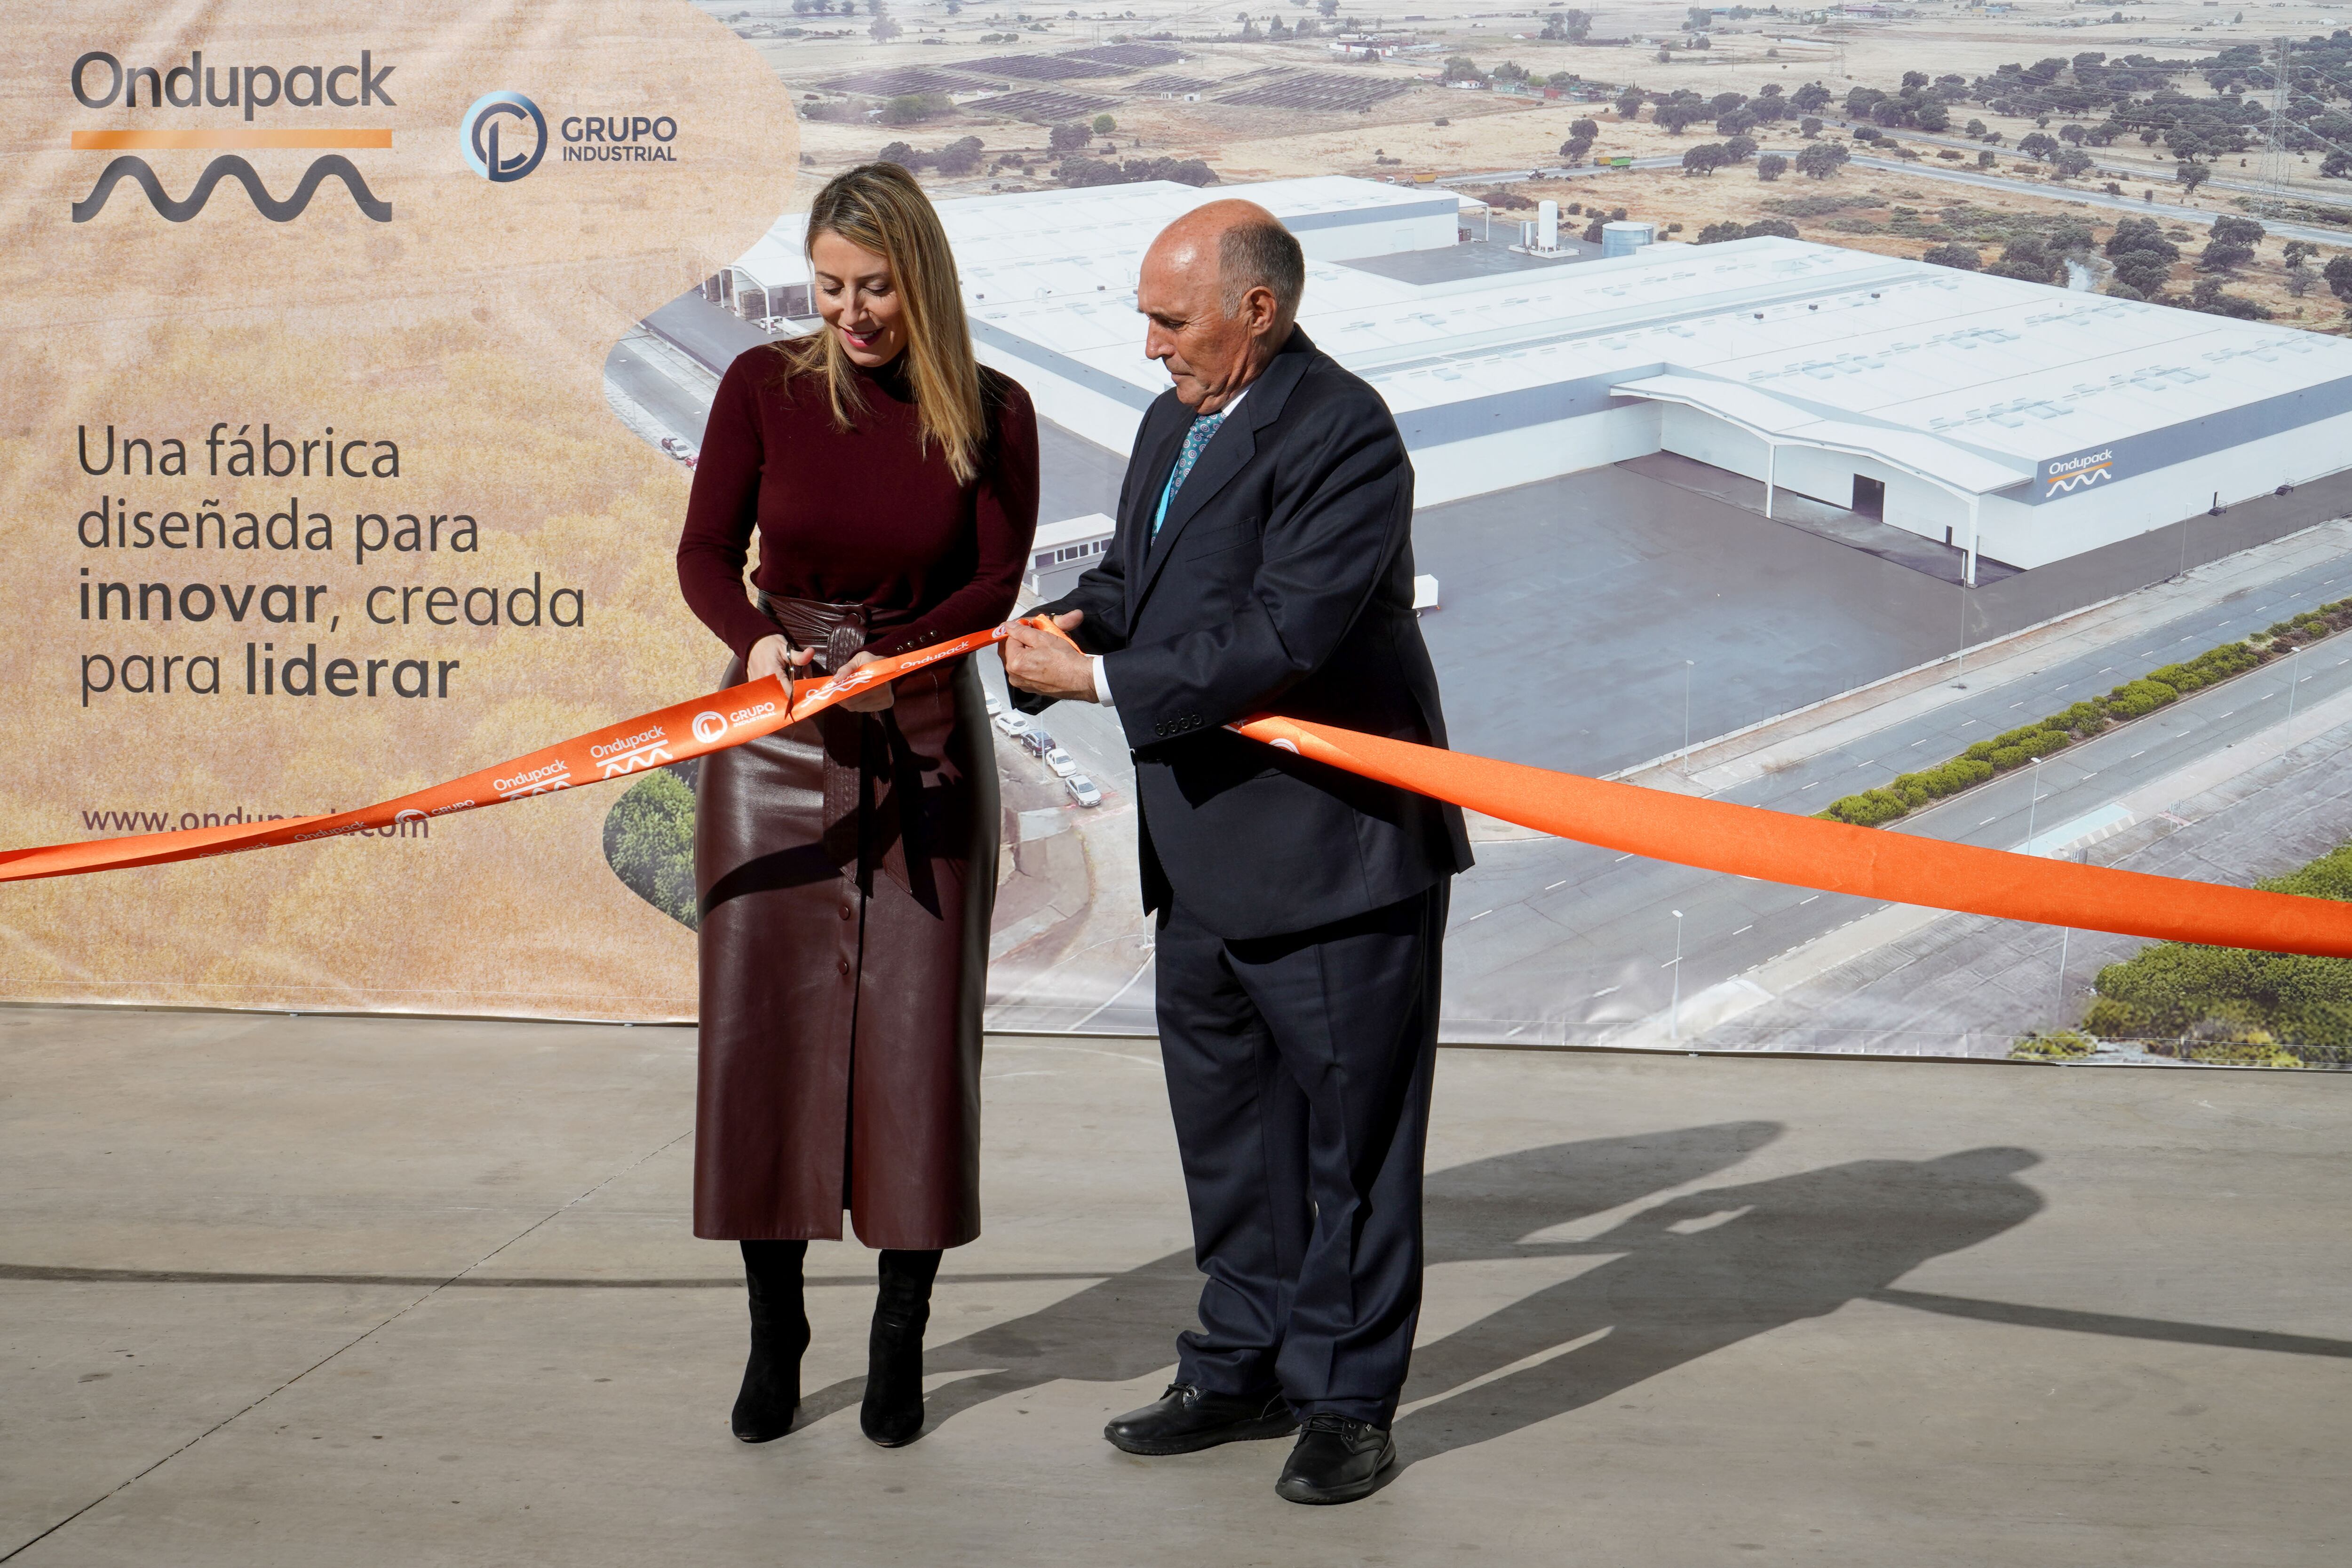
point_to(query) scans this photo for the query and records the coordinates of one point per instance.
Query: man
(1264, 563)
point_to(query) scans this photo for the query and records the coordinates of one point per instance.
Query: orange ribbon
(617, 752)
(1712, 836)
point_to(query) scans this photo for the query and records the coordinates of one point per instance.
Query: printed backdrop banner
(309, 490)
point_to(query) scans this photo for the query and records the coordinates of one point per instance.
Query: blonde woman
(848, 866)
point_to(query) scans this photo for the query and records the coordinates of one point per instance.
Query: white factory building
(2024, 423)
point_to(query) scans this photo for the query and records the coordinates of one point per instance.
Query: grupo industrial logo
(2072, 473)
(503, 137)
(159, 92)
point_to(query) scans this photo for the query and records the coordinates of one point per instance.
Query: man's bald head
(1247, 247)
(1221, 287)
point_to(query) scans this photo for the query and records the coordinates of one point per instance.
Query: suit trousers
(1298, 1069)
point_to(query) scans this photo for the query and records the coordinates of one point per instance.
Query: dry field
(1434, 131)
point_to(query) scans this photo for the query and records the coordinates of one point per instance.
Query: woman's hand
(774, 656)
(872, 700)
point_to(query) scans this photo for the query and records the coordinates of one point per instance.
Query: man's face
(1207, 352)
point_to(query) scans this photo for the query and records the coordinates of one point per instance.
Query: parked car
(995, 704)
(1012, 724)
(1037, 741)
(1061, 762)
(681, 449)
(1082, 789)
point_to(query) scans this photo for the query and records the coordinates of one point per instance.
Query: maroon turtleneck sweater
(864, 516)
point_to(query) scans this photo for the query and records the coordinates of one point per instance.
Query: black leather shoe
(1337, 1460)
(1186, 1419)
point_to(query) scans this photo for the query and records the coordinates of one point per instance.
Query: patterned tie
(1195, 439)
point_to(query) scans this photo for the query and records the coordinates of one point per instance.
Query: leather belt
(835, 634)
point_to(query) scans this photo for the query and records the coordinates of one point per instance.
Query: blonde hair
(878, 207)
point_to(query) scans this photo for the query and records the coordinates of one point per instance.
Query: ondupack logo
(99, 80)
(490, 127)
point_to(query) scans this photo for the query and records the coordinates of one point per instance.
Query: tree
(1986, 160)
(2208, 297)
(2025, 257)
(2072, 135)
(1809, 127)
(910, 108)
(1568, 27)
(1462, 68)
(2337, 166)
(882, 29)
(1629, 104)
(2191, 174)
(1066, 138)
(961, 156)
(1583, 128)
(1677, 112)
(898, 153)
(2339, 275)
(1961, 257)
(1716, 233)
(1770, 167)
(1822, 159)
(2036, 146)
(1104, 125)
(1810, 99)
(2070, 163)
(1705, 158)
(2231, 229)
(649, 843)
(1327, 7)
(1782, 227)
(1739, 149)
(2143, 257)
(2221, 256)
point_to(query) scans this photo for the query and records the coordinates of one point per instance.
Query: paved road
(638, 367)
(1585, 940)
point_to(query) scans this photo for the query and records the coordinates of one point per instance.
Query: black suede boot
(780, 1332)
(892, 1412)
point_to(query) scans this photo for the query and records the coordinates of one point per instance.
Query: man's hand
(1037, 661)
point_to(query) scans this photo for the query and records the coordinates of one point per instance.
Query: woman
(847, 864)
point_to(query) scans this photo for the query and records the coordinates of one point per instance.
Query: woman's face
(859, 299)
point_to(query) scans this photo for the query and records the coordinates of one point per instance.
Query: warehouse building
(2023, 422)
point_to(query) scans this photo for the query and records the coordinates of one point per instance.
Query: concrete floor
(297, 1290)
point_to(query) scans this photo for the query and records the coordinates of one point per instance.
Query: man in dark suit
(1264, 563)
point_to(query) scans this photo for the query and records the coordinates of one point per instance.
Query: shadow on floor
(1676, 1283)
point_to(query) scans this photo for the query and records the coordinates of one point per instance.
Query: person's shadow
(1682, 1279)
(1700, 1272)
(1124, 1327)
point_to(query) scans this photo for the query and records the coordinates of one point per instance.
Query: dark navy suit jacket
(1281, 582)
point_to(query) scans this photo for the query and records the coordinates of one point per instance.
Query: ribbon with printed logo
(1711, 835)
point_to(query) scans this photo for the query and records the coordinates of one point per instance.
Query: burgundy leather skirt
(847, 870)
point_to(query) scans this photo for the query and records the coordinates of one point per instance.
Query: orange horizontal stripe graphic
(124, 141)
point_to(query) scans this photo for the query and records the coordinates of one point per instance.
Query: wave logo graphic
(481, 136)
(2062, 483)
(333, 166)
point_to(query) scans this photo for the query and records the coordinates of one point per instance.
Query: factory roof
(1979, 379)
